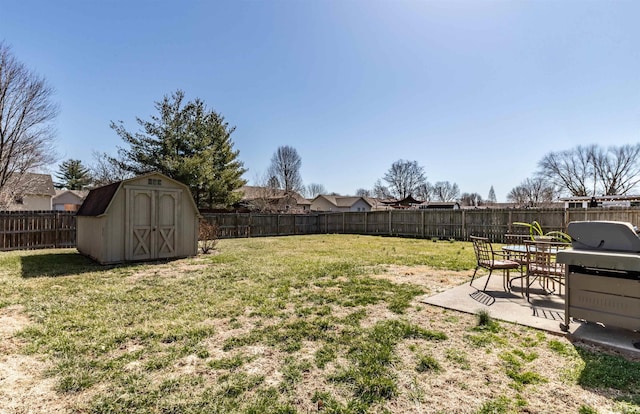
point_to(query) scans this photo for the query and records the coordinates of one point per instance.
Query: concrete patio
(543, 311)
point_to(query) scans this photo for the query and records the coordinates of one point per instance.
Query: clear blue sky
(474, 91)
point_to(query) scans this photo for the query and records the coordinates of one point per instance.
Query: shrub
(208, 236)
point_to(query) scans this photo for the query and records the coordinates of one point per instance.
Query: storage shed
(143, 218)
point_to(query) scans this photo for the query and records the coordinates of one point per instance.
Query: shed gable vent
(154, 181)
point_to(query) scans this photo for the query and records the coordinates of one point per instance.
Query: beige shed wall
(90, 236)
(114, 249)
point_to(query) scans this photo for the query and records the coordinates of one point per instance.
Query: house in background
(405, 203)
(265, 199)
(29, 192)
(440, 205)
(68, 200)
(340, 203)
(624, 201)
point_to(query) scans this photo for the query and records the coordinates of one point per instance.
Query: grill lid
(604, 235)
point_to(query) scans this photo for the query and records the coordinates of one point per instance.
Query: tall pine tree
(188, 143)
(491, 198)
(73, 175)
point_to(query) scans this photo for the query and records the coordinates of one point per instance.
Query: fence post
(390, 222)
(422, 224)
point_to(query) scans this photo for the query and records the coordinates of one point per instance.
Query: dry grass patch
(433, 279)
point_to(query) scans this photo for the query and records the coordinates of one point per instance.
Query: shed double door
(153, 223)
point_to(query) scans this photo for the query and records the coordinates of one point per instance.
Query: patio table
(521, 253)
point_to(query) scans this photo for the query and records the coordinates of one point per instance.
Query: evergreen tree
(73, 175)
(492, 196)
(190, 144)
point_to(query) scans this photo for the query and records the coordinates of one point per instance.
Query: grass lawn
(301, 324)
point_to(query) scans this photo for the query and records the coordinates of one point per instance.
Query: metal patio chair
(543, 268)
(488, 259)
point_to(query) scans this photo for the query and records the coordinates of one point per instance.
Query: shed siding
(91, 237)
(114, 248)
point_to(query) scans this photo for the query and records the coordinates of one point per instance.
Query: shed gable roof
(99, 199)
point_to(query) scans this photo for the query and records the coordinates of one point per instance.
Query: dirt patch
(23, 387)
(435, 280)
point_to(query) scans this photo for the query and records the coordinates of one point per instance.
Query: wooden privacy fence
(37, 229)
(50, 229)
(442, 224)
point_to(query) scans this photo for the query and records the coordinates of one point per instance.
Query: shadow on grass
(603, 371)
(60, 264)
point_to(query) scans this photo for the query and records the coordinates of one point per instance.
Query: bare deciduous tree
(363, 192)
(519, 196)
(313, 190)
(285, 166)
(445, 191)
(570, 170)
(471, 199)
(533, 192)
(105, 171)
(617, 169)
(587, 171)
(380, 190)
(26, 116)
(425, 192)
(404, 178)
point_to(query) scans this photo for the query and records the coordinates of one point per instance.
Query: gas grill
(602, 276)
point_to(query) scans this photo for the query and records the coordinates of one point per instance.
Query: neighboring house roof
(439, 204)
(256, 193)
(407, 201)
(601, 197)
(32, 184)
(79, 194)
(344, 201)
